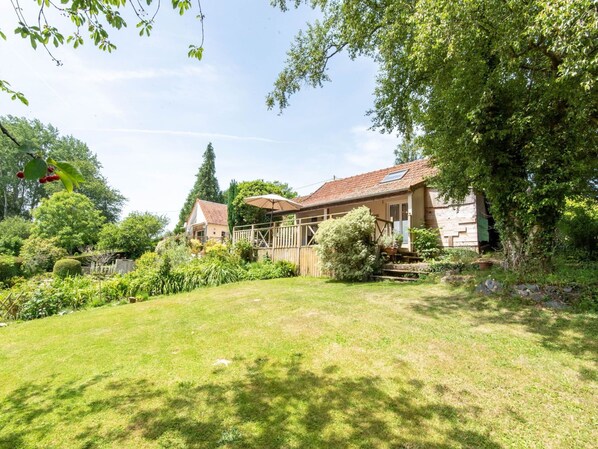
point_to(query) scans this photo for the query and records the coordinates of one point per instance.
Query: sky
(148, 111)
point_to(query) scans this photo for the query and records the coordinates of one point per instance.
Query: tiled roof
(215, 213)
(369, 184)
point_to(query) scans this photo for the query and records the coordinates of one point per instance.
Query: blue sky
(148, 111)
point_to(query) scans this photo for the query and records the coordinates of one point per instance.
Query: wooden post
(298, 244)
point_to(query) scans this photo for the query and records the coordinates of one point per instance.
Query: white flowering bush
(346, 247)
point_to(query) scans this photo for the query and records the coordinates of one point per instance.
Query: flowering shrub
(345, 245)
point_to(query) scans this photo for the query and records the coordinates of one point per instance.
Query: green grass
(314, 364)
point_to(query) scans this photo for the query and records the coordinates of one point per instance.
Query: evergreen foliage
(67, 267)
(231, 194)
(205, 187)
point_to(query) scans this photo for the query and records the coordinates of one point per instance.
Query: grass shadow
(269, 404)
(569, 331)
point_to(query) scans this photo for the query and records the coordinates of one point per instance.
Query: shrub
(345, 245)
(269, 270)
(40, 254)
(176, 247)
(579, 227)
(219, 271)
(460, 255)
(244, 249)
(426, 242)
(10, 267)
(13, 233)
(67, 267)
(217, 250)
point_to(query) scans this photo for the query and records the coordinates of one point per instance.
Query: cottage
(397, 196)
(207, 221)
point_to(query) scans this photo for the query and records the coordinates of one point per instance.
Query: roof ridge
(371, 172)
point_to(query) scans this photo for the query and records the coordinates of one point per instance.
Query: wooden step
(391, 270)
(417, 267)
(394, 278)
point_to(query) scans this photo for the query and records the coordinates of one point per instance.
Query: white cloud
(168, 132)
(373, 149)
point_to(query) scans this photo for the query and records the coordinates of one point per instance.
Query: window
(395, 176)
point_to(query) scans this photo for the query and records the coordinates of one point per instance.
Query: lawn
(303, 363)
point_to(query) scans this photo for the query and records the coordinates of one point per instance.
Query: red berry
(54, 178)
(43, 180)
(50, 169)
(20, 175)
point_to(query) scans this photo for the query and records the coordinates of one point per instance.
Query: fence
(121, 266)
(11, 305)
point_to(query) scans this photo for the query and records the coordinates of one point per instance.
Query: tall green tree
(505, 93)
(205, 187)
(70, 218)
(19, 196)
(231, 194)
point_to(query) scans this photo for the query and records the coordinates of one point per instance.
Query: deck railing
(294, 233)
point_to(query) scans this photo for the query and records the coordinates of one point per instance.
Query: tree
(205, 187)
(246, 214)
(13, 232)
(505, 94)
(19, 196)
(42, 24)
(408, 150)
(70, 218)
(231, 194)
(136, 234)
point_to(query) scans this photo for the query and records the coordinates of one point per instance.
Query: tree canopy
(505, 94)
(70, 218)
(20, 196)
(137, 233)
(205, 188)
(246, 214)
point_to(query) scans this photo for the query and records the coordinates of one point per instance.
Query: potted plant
(390, 244)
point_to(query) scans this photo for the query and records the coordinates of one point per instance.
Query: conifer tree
(205, 187)
(232, 214)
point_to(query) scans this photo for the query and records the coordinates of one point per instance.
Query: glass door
(399, 215)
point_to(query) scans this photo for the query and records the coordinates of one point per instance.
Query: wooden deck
(294, 240)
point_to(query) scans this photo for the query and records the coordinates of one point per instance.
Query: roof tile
(369, 184)
(215, 213)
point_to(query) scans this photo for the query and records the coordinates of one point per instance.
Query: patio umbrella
(272, 202)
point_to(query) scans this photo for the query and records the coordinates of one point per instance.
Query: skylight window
(395, 176)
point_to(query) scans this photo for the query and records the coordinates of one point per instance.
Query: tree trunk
(528, 250)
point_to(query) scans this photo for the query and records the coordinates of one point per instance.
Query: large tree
(505, 93)
(70, 218)
(19, 196)
(205, 188)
